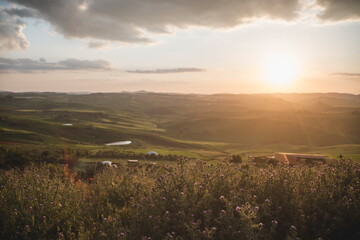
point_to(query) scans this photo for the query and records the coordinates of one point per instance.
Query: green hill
(184, 121)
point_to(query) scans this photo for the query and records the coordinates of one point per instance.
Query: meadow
(210, 127)
(185, 200)
(52, 188)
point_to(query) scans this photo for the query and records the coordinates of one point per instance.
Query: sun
(280, 70)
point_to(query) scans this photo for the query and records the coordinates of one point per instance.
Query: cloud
(337, 10)
(171, 70)
(347, 74)
(132, 20)
(11, 32)
(29, 65)
(21, 12)
(96, 45)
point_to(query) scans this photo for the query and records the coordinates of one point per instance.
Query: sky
(187, 46)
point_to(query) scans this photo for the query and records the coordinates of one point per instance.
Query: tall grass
(195, 200)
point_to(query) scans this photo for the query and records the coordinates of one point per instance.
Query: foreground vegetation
(187, 200)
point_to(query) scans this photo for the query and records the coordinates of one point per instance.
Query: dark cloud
(29, 65)
(130, 20)
(85, 64)
(11, 32)
(171, 70)
(347, 74)
(74, 19)
(21, 12)
(340, 9)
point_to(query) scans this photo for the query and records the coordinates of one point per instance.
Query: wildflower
(238, 208)
(274, 222)
(222, 197)
(122, 234)
(27, 228)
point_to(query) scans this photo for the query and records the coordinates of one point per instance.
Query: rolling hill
(180, 120)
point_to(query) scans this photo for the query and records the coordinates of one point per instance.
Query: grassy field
(197, 126)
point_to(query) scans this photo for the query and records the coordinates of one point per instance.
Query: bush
(236, 159)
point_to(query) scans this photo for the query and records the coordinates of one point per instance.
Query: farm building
(152, 153)
(298, 158)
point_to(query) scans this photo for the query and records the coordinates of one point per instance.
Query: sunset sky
(189, 46)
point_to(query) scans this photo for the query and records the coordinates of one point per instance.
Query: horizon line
(179, 93)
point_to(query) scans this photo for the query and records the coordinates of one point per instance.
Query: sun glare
(280, 70)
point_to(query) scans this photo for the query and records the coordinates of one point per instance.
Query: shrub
(236, 159)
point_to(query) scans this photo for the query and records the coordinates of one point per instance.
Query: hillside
(180, 120)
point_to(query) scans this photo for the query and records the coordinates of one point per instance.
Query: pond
(118, 143)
